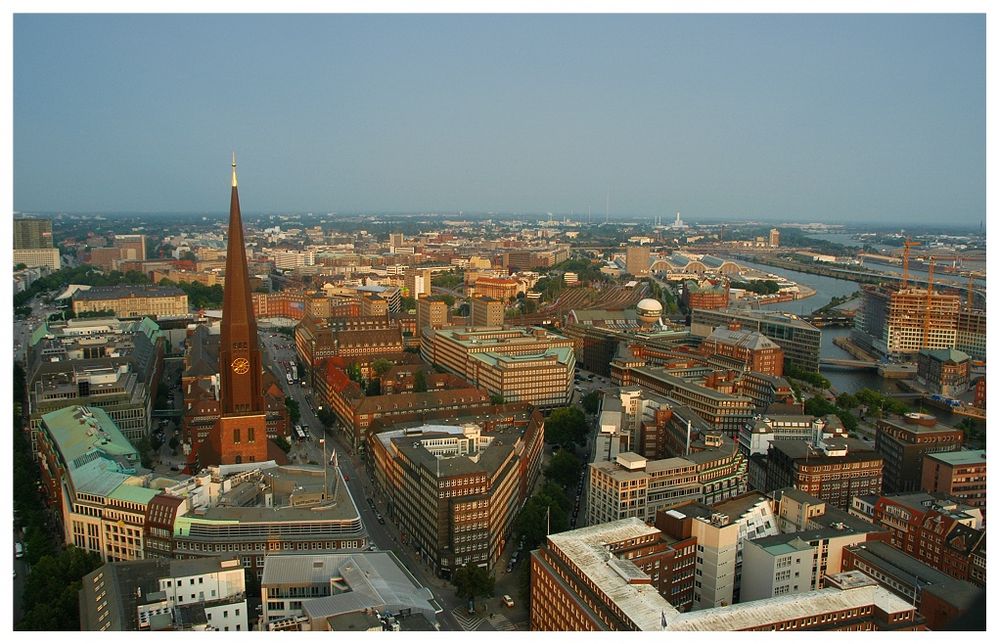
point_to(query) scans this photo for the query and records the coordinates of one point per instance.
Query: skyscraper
(32, 233)
(240, 434)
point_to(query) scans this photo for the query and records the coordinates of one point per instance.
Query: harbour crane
(905, 260)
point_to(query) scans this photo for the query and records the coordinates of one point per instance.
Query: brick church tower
(240, 434)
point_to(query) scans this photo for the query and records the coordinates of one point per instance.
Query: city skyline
(859, 118)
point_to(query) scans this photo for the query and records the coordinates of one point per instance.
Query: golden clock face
(240, 365)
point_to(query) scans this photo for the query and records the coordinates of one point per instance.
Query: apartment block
(943, 371)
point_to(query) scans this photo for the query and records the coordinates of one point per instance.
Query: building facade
(903, 442)
(959, 475)
(132, 301)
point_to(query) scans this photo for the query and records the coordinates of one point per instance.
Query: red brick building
(751, 348)
(706, 294)
(934, 535)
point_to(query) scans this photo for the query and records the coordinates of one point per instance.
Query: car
(346, 477)
(380, 518)
(18, 550)
(508, 601)
(372, 548)
(471, 607)
(371, 502)
(509, 567)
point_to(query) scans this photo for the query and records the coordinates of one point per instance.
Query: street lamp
(322, 441)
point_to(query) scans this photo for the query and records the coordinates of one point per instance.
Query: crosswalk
(501, 623)
(465, 621)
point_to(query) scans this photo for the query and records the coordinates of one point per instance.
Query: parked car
(18, 550)
(380, 518)
(508, 601)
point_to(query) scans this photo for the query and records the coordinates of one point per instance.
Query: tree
(473, 581)
(51, 590)
(407, 303)
(591, 402)
(847, 401)
(497, 399)
(294, 413)
(566, 426)
(20, 267)
(283, 443)
(563, 469)
(374, 387)
(326, 417)
(420, 381)
(380, 366)
(544, 513)
(145, 450)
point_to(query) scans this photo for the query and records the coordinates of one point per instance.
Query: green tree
(51, 590)
(283, 443)
(380, 366)
(473, 581)
(563, 469)
(420, 381)
(547, 512)
(374, 387)
(407, 303)
(497, 399)
(591, 402)
(326, 417)
(847, 401)
(145, 449)
(566, 426)
(294, 413)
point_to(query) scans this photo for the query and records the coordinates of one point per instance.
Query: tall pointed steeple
(239, 353)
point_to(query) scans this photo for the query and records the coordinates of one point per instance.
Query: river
(826, 288)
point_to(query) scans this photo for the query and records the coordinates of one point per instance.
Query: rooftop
(127, 290)
(959, 457)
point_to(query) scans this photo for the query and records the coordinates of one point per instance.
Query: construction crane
(905, 260)
(929, 305)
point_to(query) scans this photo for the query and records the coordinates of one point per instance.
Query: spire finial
(234, 169)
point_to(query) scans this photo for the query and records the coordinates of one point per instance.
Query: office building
(970, 336)
(133, 247)
(774, 239)
(757, 434)
(32, 232)
(453, 490)
(374, 306)
(937, 532)
(355, 339)
(326, 592)
(901, 322)
(205, 594)
(903, 442)
(943, 371)
(38, 257)
(959, 475)
(522, 364)
(418, 282)
(498, 288)
(487, 311)
(724, 412)
(130, 301)
(637, 260)
(939, 598)
(834, 471)
(752, 349)
(432, 312)
(96, 362)
(707, 294)
(775, 566)
(799, 339)
(580, 583)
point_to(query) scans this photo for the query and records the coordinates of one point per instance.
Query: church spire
(234, 183)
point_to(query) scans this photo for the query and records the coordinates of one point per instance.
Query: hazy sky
(820, 117)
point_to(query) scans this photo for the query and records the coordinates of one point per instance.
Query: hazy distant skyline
(776, 118)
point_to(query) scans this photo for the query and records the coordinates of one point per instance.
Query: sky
(831, 118)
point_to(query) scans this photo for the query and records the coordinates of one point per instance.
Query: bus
(299, 434)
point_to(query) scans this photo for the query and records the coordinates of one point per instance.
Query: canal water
(826, 288)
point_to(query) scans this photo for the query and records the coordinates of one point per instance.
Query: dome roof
(650, 305)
